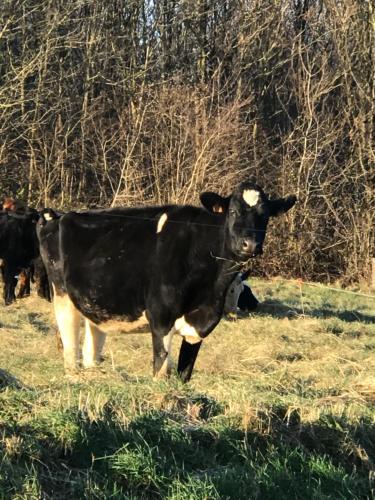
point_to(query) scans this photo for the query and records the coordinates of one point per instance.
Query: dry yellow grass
(311, 359)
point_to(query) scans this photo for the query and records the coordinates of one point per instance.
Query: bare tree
(129, 102)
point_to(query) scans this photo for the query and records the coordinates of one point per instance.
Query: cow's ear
(281, 205)
(214, 203)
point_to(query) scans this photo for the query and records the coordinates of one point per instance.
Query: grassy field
(281, 406)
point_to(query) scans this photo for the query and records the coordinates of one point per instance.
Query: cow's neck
(227, 264)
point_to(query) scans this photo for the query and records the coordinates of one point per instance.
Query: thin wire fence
(299, 282)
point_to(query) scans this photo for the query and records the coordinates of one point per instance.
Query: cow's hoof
(71, 368)
(92, 369)
(231, 317)
(164, 374)
(92, 365)
(72, 375)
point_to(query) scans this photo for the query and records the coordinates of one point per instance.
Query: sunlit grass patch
(281, 405)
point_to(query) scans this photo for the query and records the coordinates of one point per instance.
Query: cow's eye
(232, 211)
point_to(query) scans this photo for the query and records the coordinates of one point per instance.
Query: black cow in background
(239, 297)
(175, 262)
(13, 205)
(247, 301)
(19, 251)
(18, 247)
(39, 276)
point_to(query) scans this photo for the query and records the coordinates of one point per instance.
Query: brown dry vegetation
(122, 103)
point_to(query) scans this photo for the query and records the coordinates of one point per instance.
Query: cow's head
(247, 211)
(8, 204)
(12, 205)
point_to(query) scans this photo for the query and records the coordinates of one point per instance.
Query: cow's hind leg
(93, 345)
(162, 334)
(162, 346)
(10, 283)
(24, 283)
(68, 320)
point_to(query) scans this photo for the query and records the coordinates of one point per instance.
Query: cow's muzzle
(251, 249)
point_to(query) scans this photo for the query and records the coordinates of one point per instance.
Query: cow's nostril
(246, 245)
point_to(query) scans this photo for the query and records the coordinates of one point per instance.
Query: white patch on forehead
(251, 196)
(187, 331)
(47, 217)
(161, 222)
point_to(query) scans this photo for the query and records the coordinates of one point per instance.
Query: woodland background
(128, 102)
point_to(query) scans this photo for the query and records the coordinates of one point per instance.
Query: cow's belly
(102, 304)
(123, 326)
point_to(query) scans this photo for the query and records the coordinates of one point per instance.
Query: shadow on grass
(280, 310)
(35, 319)
(174, 454)
(8, 380)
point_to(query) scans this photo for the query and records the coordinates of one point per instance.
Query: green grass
(281, 405)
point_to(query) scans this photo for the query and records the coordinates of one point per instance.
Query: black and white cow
(174, 262)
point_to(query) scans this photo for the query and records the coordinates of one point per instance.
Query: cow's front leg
(194, 327)
(24, 283)
(10, 283)
(162, 334)
(186, 360)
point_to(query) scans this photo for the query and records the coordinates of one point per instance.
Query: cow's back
(115, 261)
(106, 261)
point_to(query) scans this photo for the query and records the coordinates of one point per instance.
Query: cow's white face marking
(251, 196)
(161, 222)
(47, 217)
(187, 331)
